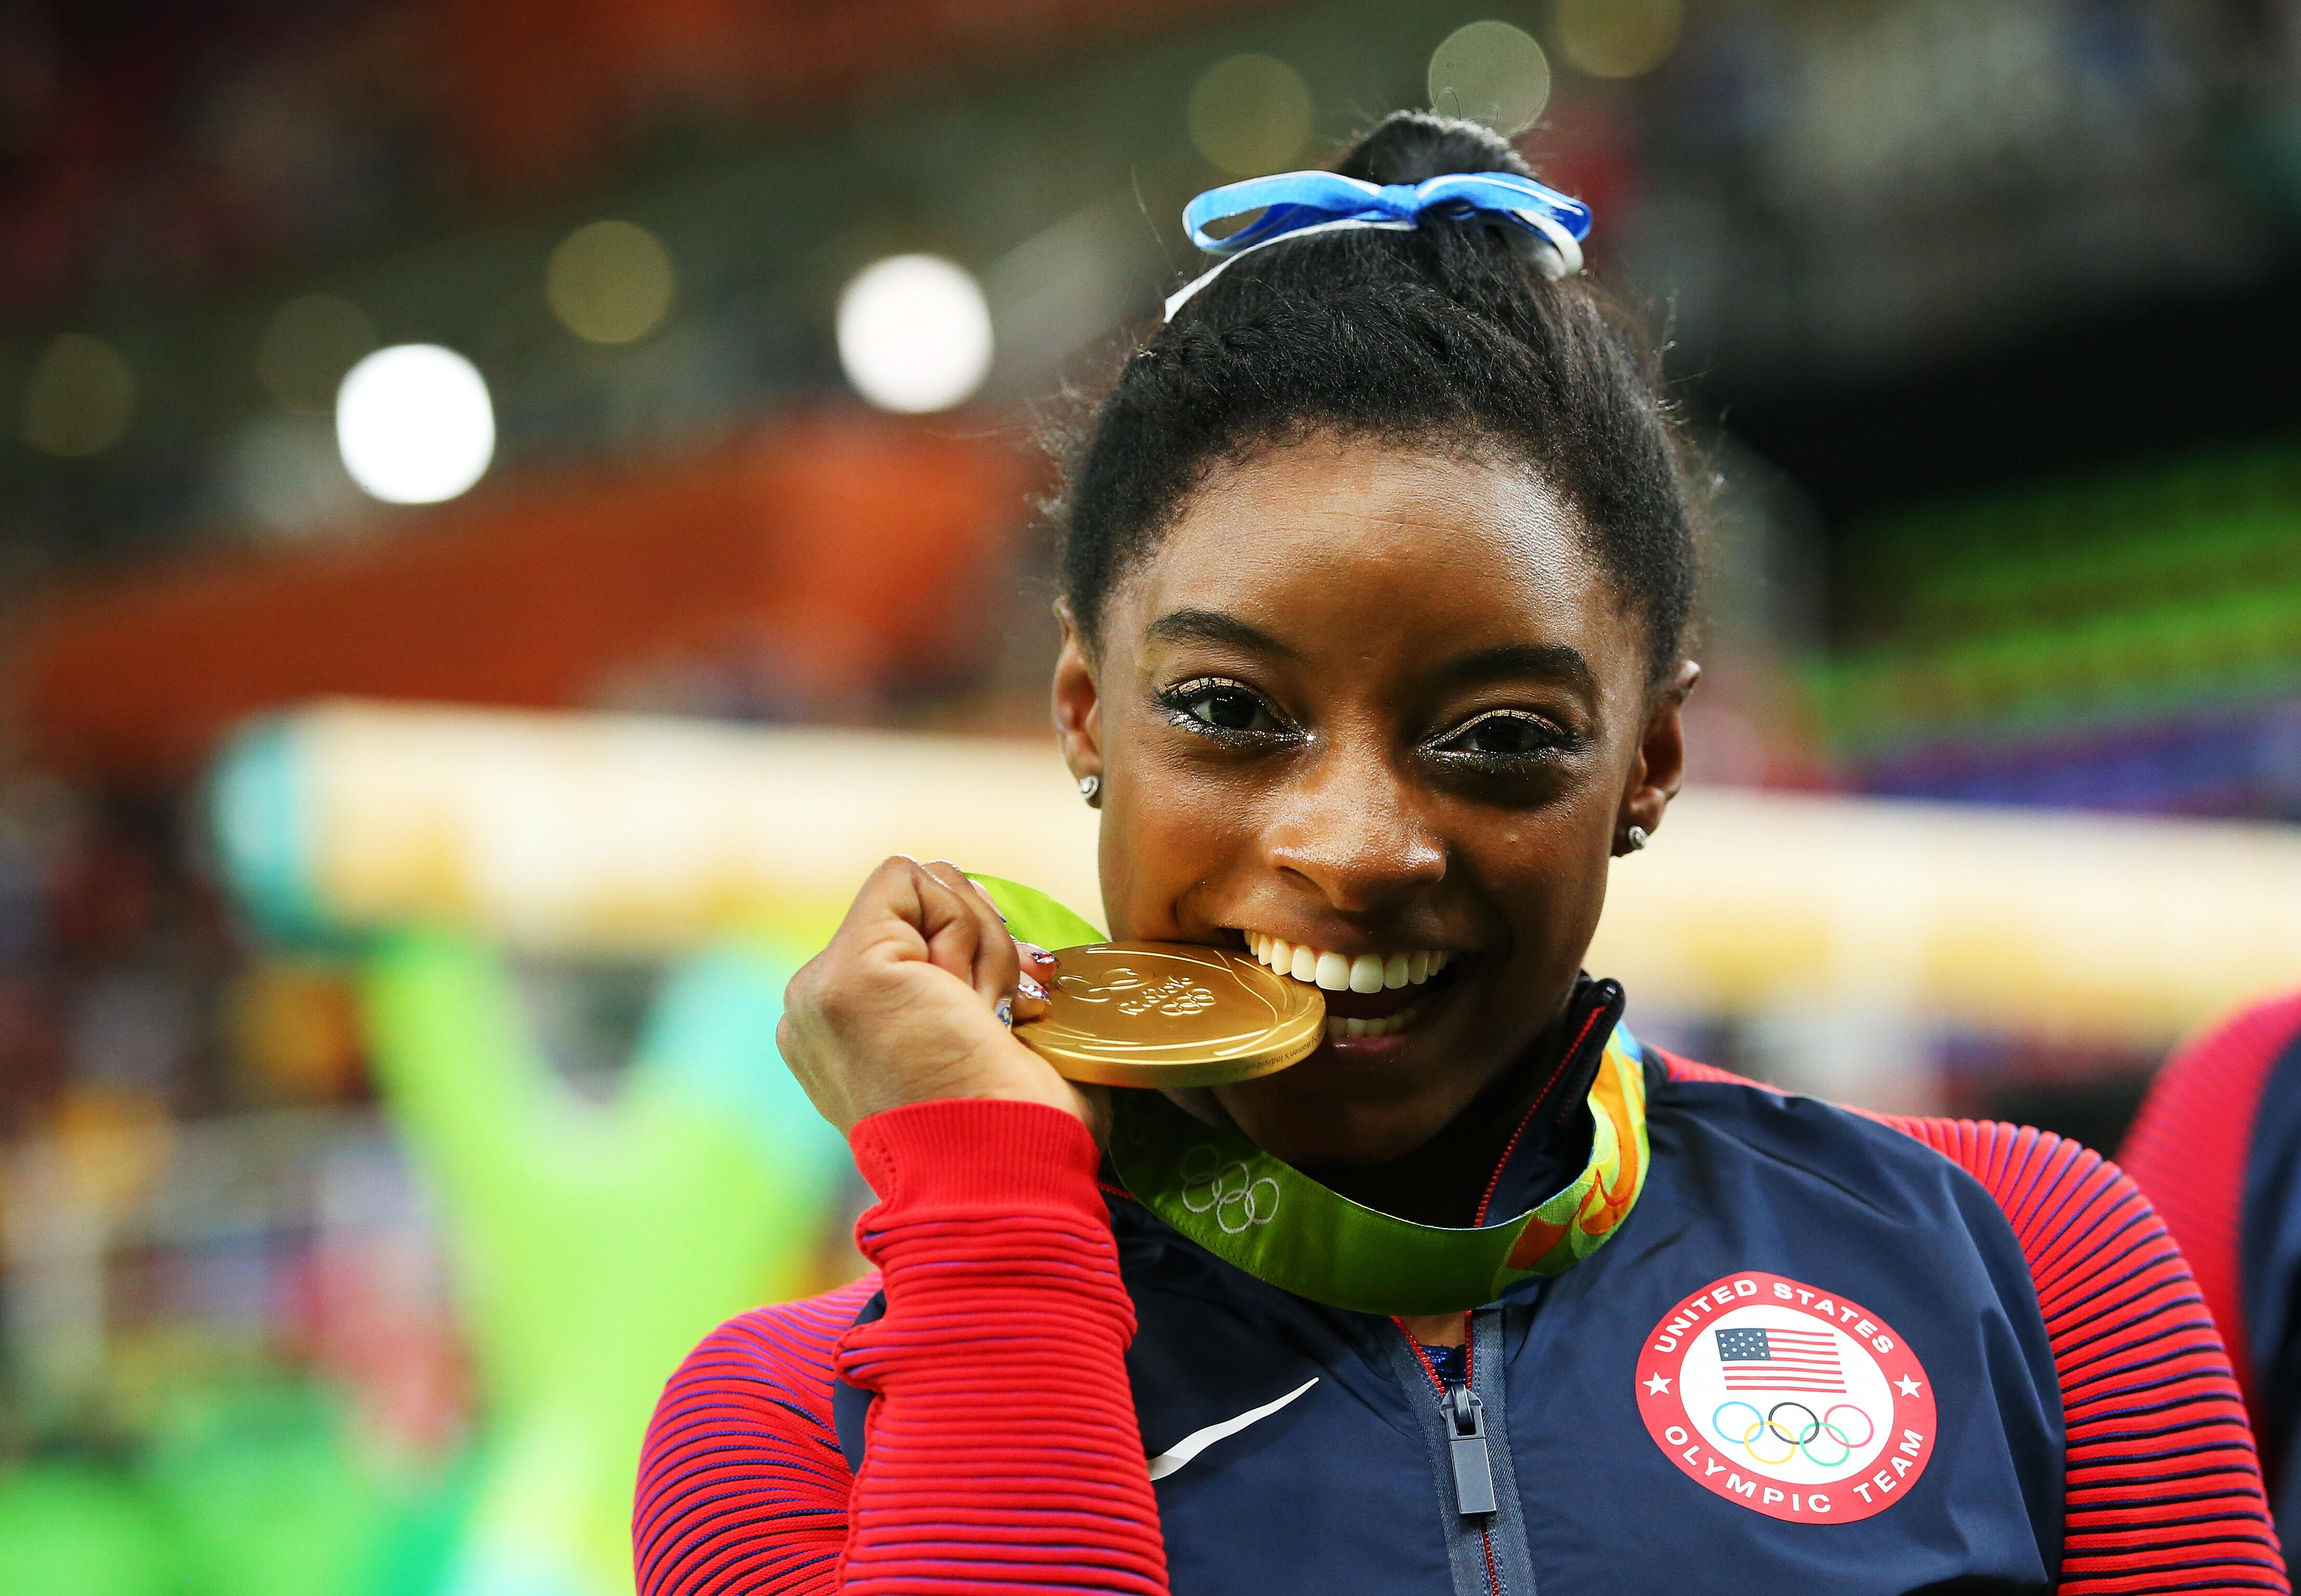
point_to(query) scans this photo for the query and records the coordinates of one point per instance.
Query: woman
(1378, 571)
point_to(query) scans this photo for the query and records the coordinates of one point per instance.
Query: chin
(1366, 1099)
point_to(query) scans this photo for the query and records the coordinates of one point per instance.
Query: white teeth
(1345, 973)
(1390, 1025)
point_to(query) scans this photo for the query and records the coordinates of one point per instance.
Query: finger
(1036, 959)
(887, 909)
(1032, 1000)
(996, 963)
(949, 923)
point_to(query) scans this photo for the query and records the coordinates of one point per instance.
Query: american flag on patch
(1772, 1359)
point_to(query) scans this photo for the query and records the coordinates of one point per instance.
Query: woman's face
(1375, 704)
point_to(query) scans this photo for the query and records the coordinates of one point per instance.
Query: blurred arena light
(914, 333)
(308, 346)
(610, 282)
(415, 424)
(1250, 115)
(1490, 72)
(1619, 38)
(82, 397)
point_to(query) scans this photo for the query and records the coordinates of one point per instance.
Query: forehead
(1343, 545)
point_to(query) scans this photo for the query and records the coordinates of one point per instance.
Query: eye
(1214, 704)
(1506, 733)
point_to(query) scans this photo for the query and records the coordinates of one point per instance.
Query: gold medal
(1172, 1014)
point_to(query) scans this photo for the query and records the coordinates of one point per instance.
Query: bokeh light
(309, 344)
(914, 333)
(1250, 115)
(415, 424)
(82, 397)
(1619, 38)
(610, 282)
(1490, 72)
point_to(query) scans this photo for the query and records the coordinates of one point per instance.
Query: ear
(1659, 769)
(1079, 702)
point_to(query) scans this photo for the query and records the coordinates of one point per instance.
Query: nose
(1350, 827)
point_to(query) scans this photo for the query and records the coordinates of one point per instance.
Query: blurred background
(563, 474)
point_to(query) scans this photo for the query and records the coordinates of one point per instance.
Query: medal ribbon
(1281, 1226)
(1285, 1228)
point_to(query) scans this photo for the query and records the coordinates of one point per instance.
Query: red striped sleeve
(741, 1484)
(2164, 1490)
(1003, 1451)
(2190, 1148)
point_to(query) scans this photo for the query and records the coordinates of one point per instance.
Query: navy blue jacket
(1824, 1353)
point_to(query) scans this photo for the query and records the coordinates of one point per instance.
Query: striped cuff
(978, 1153)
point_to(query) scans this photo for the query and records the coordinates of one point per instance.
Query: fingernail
(1030, 989)
(1037, 954)
(1005, 1009)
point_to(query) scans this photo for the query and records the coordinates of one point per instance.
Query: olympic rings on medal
(1236, 1197)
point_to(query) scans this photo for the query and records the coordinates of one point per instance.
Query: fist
(911, 1003)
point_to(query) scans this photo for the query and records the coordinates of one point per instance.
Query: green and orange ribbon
(1281, 1226)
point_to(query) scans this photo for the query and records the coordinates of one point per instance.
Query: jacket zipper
(1464, 1413)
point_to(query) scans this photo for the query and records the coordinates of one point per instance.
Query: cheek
(1548, 872)
(1167, 826)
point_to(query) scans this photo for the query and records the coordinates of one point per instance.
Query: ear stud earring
(1634, 838)
(1090, 790)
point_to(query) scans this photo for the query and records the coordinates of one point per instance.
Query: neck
(1443, 1182)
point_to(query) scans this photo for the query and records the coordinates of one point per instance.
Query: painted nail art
(1030, 989)
(1005, 1009)
(1032, 950)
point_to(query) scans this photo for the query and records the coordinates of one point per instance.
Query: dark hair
(1444, 334)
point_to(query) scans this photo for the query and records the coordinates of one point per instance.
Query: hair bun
(1412, 146)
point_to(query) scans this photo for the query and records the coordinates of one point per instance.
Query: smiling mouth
(1367, 994)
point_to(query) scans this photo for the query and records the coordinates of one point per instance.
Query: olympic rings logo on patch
(1767, 1430)
(1791, 1401)
(1238, 1199)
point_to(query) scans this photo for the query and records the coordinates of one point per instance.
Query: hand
(903, 1006)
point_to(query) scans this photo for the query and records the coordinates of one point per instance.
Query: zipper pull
(1474, 1474)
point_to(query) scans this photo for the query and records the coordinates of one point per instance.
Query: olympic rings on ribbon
(1236, 1198)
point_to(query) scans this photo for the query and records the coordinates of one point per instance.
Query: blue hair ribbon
(1297, 203)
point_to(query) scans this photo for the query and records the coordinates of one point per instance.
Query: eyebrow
(1213, 626)
(1554, 662)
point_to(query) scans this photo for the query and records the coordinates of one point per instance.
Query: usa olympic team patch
(1791, 1401)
